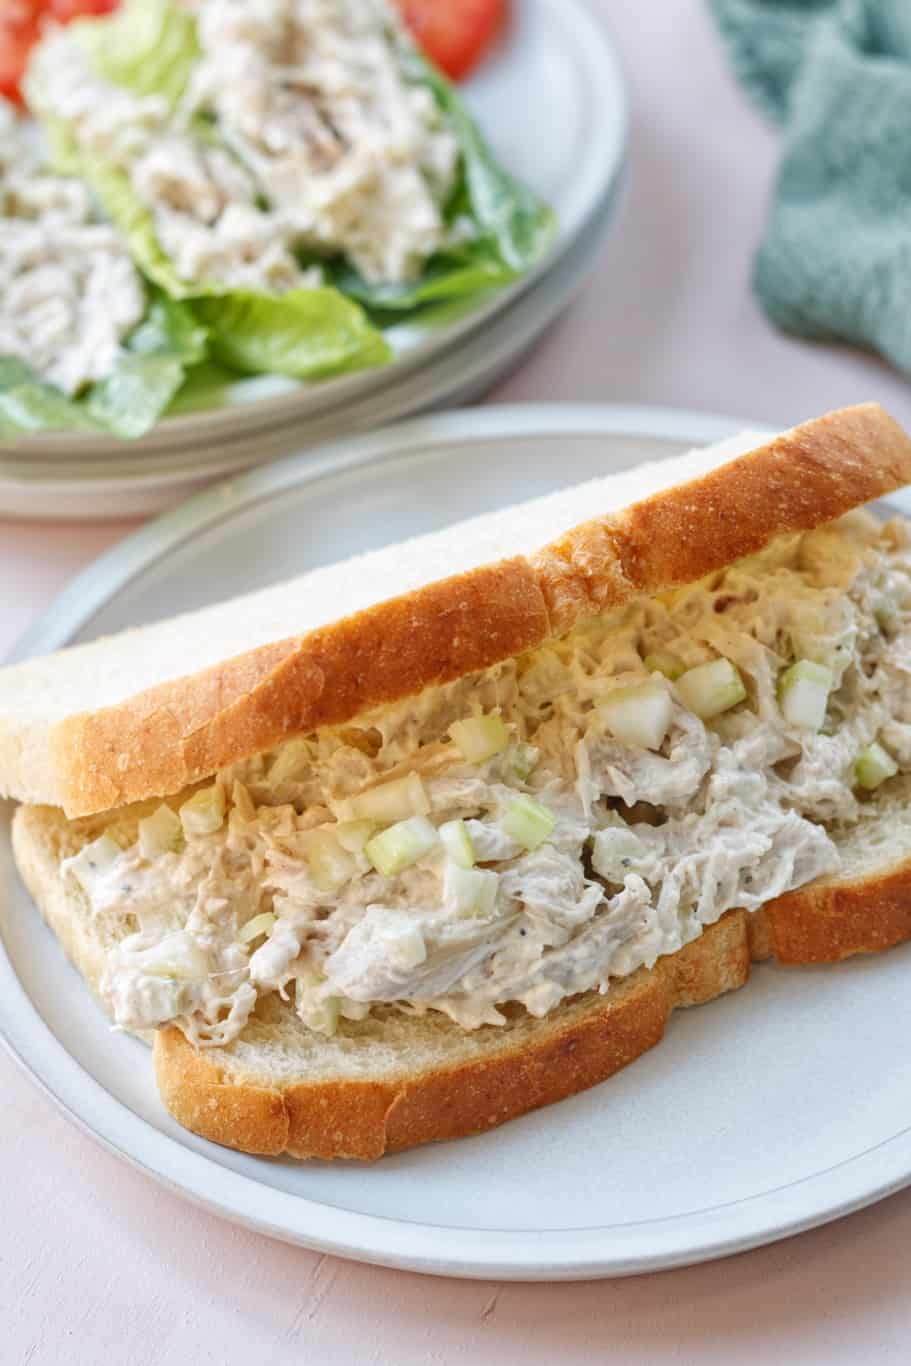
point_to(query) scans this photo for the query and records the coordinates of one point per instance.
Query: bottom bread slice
(396, 1080)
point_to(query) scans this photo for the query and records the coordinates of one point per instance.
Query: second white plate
(551, 101)
(141, 483)
(765, 1113)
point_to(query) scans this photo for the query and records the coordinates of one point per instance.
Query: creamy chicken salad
(533, 831)
(70, 293)
(297, 134)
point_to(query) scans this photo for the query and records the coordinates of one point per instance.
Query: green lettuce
(513, 228)
(150, 47)
(306, 333)
(28, 404)
(128, 402)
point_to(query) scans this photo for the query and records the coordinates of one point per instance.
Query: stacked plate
(552, 104)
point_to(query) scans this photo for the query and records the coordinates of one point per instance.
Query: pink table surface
(98, 1265)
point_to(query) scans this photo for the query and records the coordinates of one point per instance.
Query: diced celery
(803, 694)
(480, 737)
(176, 955)
(469, 891)
(160, 833)
(331, 866)
(639, 714)
(259, 925)
(528, 822)
(407, 948)
(614, 851)
(353, 835)
(665, 662)
(92, 862)
(321, 1014)
(204, 812)
(401, 845)
(318, 1012)
(394, 801)
(523, 760)
(457, 843)
(710, 689)
(873, 766)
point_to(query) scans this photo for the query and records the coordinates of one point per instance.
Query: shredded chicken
(641, 848)
(299, 135)
(69, 294)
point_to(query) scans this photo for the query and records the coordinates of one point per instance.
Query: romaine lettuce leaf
(311, 332)
(472, 269)
(121, 204)
(306, 333)
(509, 216)
(158, 354)
(149, 46)
(514, 229)
(135, 394)
(28, 404)
(171, 329)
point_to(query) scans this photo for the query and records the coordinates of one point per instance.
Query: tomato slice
(454, 34)
(20, 25)
(20, 29)
(65, 10)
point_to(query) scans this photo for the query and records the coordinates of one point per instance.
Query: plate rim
(563, 1254)
(593, 38)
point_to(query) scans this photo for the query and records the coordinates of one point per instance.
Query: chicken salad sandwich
(415, 843)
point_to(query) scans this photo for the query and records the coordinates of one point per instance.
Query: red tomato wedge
(454, 34)
(65, 10)
(20, 29)
(20, 25)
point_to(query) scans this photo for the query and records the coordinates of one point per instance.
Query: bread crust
(580, 1044)
(160, 741)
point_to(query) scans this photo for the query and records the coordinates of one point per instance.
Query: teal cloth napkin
(835, 262)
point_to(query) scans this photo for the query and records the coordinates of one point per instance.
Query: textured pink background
(98, 1265)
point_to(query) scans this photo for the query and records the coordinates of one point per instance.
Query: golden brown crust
(171, 736)
(829, 920)
(582, 1043)
(797, 481)
(365, 1119)
(159, 741)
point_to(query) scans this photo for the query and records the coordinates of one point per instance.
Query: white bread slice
(151, 711)
(393, 1081)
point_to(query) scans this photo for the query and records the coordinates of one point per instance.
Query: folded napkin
(835, 263)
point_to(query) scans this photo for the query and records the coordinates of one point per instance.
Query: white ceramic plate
(141, 483)
(551, 100)
(762, 1114)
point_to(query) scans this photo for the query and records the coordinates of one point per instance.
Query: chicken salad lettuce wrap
(286, 175)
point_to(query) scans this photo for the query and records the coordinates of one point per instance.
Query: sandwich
(415, 843)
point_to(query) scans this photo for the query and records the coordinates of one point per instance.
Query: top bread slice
(151, 711)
